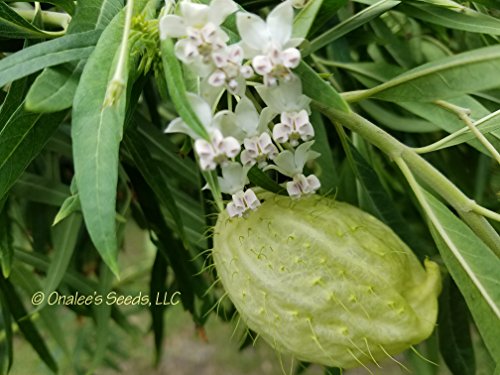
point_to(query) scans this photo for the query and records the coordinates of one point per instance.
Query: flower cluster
(278, 137)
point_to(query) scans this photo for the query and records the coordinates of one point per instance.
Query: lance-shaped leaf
(97, 131)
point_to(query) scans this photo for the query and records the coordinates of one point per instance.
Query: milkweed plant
(321, 175)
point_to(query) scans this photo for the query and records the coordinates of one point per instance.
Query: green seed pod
(324, 281)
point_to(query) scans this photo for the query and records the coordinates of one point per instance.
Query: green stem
(469, 210)
(54, 19)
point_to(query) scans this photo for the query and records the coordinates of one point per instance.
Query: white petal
(247, 158)
(230, 147)
(247, 117)
(281, 133)
(220, 9)
(220, 58)
(177, 125)
(262, 65)
(251, 147)
(291, 57)
(196, 15)
(303, 155)
(172, 26)
(293, 42)
(246, 71)
(280, 22)
(210, 33)
(266, 116)
(233, 178)
(233, 211)
(251, 199)
(288, 119)
(205, 154)
(306, 132)
(235, 53)
(267, 146)
(313, 183)
(293, 189)
(201, 108)
(253, 30)
(217, 78)
(225, 121)
(186, 51)
(286, 163)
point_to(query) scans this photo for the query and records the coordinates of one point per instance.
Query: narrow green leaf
(22, 138)
(69, 206)
(464, 18)
(6, 346)
(152, 174)
(319, 90)
(441, 79)
(97, 131)
(454, 331)
(94, 14)
(473, 266)
(259, 178)
(12, 25)
(6, 241)
(158, 286)
(26, 326)
(38, 189)
(358, 20)
(41, 55)
(328, 175)
(305, 18)
(13, 100)
(54, 89)
(177, 88)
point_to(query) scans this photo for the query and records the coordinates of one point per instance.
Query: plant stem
(57, 19)
(466, 207)
(464, 115)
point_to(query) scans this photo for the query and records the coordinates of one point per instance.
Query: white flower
(198, 27)
(292, 163)
(242, 202)
(293, 126)
(229, 70)
(220, 147)
(257, 150)
(302, 185)
(234, 178)
(269, 43)
(287, 97)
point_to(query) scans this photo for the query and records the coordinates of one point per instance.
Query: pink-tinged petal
(230, 147)
(253, 30)
(293, 189)
(235, 53)
(220, 58)
(233, 210)
(217, 78)
(267, 146)
(281, 133)
(313, 183)
(196, 15)
(246, 158)
(280, 22)
(251, 199)
(232, 86)
(220, 9)
(306, 132)
(262, 65)
(172, 26)
(186, 51)
(251, 147)
(291, 57)
(205, 154)
(246, 71)
(288, 119)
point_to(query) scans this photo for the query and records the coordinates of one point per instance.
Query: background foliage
(412, 138)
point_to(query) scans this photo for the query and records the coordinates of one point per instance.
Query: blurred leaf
(259, 178)
(94, 14)
(67, 5)
(319, 90)
(305, 18)
(39, 189)
(6, 345)
(158, 286)
(41, 55)
(26, 326)
(69, 206)
(6, 241)
(96, 132)
(461, 19)
(441, 79)
(454, 331)
(22, 138)
(152, 174)
(359, 19)
(473, 266)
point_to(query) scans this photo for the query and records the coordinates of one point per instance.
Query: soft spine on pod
(324, 281)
